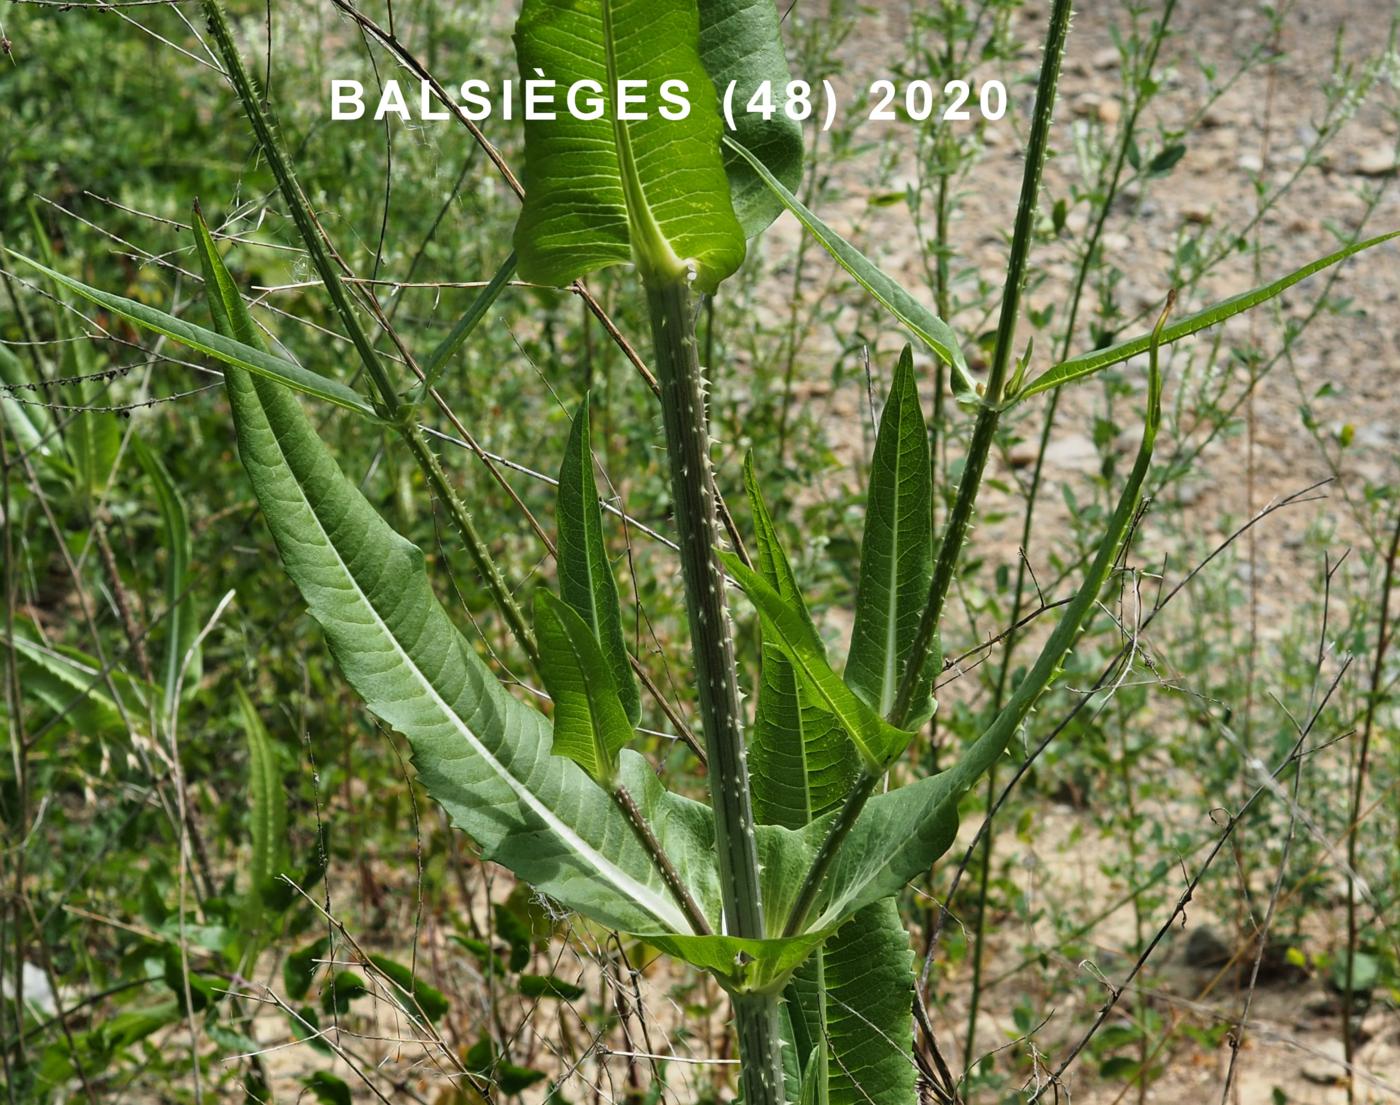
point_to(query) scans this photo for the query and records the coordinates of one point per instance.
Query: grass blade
(1086, 364)
(921, 322)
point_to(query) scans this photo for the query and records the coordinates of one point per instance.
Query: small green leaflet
(586, 580)
(896, 552)
(590, 726)
(607, 191)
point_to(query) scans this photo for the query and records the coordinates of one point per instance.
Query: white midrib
(888, 684)
(643, 895)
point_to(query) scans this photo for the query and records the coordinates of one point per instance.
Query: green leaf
(801, 762)
(328, 1089)
(480, 752)
(300, 967)
(92, 437)
(896, 553)
(900, 833)
(267, 802)
(790, 629)
(412, 992)
(27, 421)
(237, 354)
(1086, 364)
(549, 986)
(740, 965)
(590, 726)
(343, 988)
(586, 580)
(921, 322)
(741, 41)
(604, 191)
(476, 311)
(181, 629)
(869, 977)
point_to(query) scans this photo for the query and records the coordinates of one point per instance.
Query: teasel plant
(784, 885)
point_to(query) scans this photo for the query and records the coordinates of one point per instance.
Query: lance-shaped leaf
(239, 354)
(921, 322)
(900, 833)
(29, 422)
(801, 760)
(181, 629)
(607, 190)
(803, 765)
(92, 437)
(480, 753)
(590, 726)
(741, 42)
(267, 803)
(1086, 364)
(586, 580)
(790, 628)
(896, 553)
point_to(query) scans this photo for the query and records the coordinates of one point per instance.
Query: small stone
(1075, 451)
(1250, 163)
(1110, 111)
(1379, 161)
(1327, 1066)
(1199, 213)
(1107, 58)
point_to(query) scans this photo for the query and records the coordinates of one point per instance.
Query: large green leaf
(481, 753)
(590, 726)
(239, 354)
(900, 833)
(896, 553)
(605, 191)
(921, 322)
(586, 580)
(1086, 364)
(788, 626)
(801, 762)
(741, 42)
(869, 997)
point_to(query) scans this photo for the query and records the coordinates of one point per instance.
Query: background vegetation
(1216, 782)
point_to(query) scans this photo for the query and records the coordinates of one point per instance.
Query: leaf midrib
(658, 907)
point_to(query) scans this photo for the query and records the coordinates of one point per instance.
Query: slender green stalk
(1125, 143)
(984, 432)
(317, 249)
(672, 312)
(647, 836)
(982, 436)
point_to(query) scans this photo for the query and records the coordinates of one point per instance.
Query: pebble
(1110, 111)
(1250, 163)
(1325, 1068)
(1379, 161)
(1107, 58)
(1196, 212)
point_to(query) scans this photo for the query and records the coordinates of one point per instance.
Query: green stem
(984, 432)
(672, 311)
(646, 836)
(318, 249)
(442, 488)
(831, 845)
